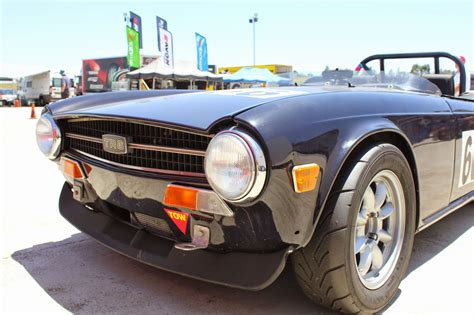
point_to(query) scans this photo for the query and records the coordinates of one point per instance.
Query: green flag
(133, 45)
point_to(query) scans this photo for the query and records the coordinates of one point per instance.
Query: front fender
(329, 144)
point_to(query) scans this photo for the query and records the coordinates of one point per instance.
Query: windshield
(391, 80)
(6, 92)
(57, 82)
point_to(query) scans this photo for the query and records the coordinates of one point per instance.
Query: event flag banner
(166, 41)
(161, 24)
(133, 45)
(201, 46)
(136, 24)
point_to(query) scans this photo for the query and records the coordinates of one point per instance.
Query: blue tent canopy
(251, 75)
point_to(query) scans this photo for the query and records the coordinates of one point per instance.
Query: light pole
(254, 20)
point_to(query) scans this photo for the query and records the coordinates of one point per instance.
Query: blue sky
(38, 35)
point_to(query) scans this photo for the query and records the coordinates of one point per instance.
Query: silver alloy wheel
(379, 229)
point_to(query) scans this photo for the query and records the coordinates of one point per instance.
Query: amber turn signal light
(179, 196)
(305, 177)
(191, 198)
(72, 169)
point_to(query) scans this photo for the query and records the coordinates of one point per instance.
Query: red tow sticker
(180, 219)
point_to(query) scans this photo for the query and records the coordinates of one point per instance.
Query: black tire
(41, 101)
(326, 268)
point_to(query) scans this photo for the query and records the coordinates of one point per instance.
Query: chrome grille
(152, 148)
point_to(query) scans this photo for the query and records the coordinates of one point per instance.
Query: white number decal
(467, 153)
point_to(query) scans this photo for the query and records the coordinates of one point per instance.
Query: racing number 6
(467, 165)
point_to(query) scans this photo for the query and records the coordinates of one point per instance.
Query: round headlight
(235, 166)
(48, 136)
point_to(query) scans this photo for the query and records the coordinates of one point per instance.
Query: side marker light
(305, 177)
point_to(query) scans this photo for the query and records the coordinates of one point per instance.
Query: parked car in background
(8, 87)
(225, 186)
(7, 97)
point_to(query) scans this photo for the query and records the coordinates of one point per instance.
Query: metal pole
(254, 43)
(254, 20)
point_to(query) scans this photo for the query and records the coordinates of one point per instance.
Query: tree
(420, 69)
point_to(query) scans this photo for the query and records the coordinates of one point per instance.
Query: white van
(43, 88)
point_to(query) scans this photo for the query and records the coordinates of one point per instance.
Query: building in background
(274, 68)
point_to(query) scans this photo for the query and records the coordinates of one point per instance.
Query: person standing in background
(65, 85)
(457, 78)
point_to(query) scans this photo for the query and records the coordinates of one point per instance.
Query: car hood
(189, 109)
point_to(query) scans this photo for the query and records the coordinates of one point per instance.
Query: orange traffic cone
(33, 112)
(17, 103)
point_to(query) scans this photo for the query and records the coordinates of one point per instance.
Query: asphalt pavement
(49, 266)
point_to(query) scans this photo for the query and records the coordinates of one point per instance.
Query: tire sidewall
(384, 157)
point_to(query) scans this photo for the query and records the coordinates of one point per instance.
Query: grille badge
(114, 144)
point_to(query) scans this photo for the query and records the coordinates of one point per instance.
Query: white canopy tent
(183, 70)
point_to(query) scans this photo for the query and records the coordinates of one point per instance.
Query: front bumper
(253, 271)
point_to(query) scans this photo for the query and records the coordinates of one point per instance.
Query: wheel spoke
(360, 231)
(380, 195)
(377, 256)
(360, 243)
(361, 220)
(386, 211)
(369, 200)
(384, 236)
(365, 261)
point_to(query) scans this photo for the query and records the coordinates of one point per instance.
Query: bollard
(33, 112)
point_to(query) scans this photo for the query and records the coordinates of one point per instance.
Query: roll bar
(436, 55)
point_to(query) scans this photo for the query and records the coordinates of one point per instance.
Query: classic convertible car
(224, 186)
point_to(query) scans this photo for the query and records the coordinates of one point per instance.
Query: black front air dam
(249, 271)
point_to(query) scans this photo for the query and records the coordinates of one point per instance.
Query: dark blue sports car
(225, 186)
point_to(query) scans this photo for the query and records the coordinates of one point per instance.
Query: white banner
(166, 47)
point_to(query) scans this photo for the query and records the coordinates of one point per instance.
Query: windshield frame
(397, 81)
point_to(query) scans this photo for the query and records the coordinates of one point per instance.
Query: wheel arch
(390, 135)
(396, 138)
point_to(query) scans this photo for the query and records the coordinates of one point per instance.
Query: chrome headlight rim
(57, 137)
(257, 157)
